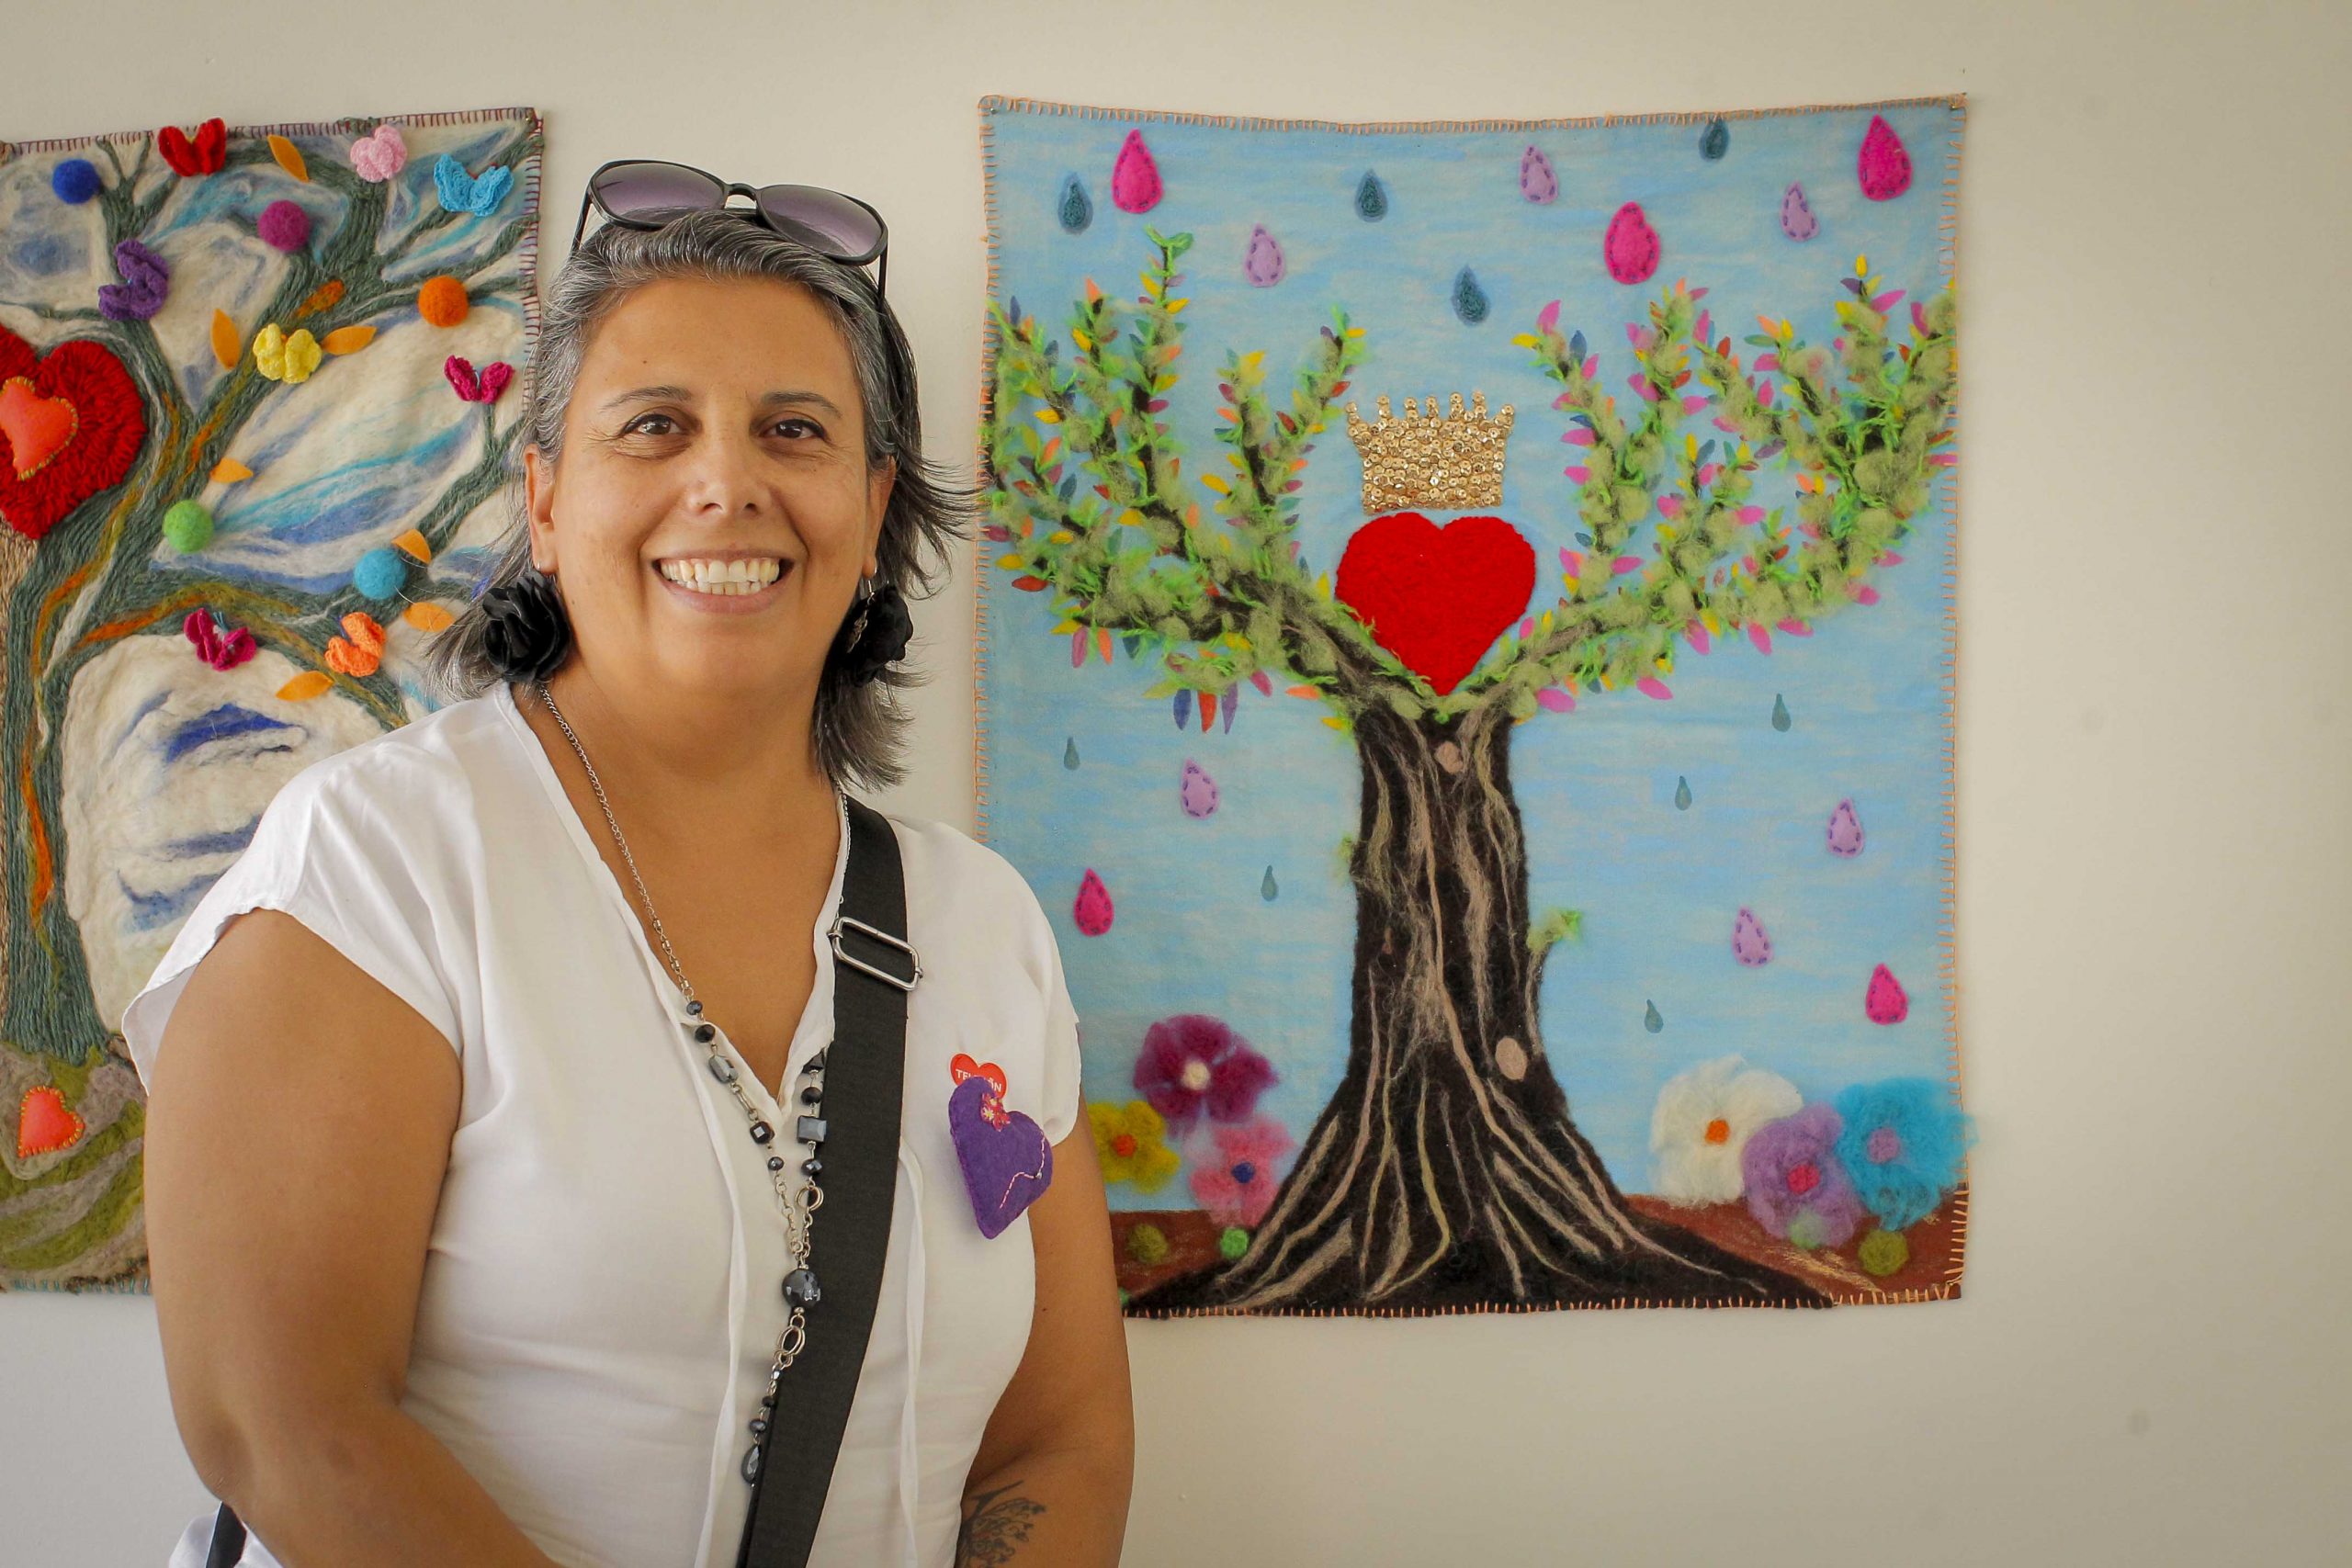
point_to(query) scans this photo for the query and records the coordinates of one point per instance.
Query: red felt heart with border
(63, 465)
(1436, 597)
(43, 1123)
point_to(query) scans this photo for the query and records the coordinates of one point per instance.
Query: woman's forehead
(715, 334)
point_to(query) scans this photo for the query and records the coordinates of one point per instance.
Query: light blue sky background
(1659, 886)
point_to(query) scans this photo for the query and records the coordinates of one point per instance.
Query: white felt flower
(1702, 1122)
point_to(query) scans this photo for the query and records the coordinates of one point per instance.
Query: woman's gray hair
(857, 730)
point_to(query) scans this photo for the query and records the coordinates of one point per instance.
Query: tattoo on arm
(997, 1524)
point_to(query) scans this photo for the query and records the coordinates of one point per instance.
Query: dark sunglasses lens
(825, 218)
(654, 187)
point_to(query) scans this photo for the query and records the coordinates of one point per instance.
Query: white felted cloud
(1702, 1122)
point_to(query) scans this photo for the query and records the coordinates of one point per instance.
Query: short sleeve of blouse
(330, 851)
(1060, 1088)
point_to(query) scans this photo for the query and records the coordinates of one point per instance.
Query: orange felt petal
(347, 340)
(413, 543)
(427, 617)
(228, 343)
(307, 685)
(290, 158)
(228, 472)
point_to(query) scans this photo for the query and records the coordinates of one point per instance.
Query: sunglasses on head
(644, 192)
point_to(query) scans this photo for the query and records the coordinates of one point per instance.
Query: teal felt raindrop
(1075, 209)
(1469, 300)
(1372, 199)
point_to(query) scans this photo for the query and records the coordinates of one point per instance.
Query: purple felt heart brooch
(1006, 1159)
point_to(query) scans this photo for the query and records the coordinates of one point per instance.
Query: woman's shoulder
(948, 867)
(426, 770)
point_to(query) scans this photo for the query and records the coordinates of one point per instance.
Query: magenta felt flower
(1193, 1061)
(1796, 1188)
(1238, 1186)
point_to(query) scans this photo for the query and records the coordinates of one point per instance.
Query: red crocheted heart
(1437, 598)
(44, 1125)
(52, 462)
(205, 155)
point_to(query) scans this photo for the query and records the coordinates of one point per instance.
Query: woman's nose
(727, 477)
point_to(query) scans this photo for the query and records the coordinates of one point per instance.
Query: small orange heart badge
(44, 1125)
(963, 1067)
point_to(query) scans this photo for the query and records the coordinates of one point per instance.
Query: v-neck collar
(816, 1014)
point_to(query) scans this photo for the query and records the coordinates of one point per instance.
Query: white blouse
(602, 1296)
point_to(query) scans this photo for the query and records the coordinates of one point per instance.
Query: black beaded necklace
(800, 1287)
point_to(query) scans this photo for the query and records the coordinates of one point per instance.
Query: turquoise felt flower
(1902, 1143)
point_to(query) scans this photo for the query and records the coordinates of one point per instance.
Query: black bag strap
(864, 1080)
(228, 1539)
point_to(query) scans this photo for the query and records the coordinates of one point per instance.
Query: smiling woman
(564, 958)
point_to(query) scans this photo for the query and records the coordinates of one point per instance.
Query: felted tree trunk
(1446, 1171)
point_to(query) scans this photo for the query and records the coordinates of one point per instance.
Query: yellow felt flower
(1131, 1141)
(284, 358)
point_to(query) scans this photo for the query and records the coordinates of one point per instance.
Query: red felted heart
(52, 462)
(1437, 598)
(44, 1125)
(205, 155)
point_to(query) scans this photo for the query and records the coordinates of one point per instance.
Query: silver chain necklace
(800, 1291)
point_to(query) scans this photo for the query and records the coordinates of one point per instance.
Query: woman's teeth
(722, 576)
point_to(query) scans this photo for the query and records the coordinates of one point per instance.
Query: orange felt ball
(442, 301)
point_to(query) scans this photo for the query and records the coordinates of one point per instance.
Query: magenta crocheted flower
(1238, 1186)
(1193, 1062)
(1796, 1188)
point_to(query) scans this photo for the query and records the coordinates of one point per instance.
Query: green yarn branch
(1446, 1171)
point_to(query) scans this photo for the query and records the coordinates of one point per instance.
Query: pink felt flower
(1238, 1186)
(1194, 1061)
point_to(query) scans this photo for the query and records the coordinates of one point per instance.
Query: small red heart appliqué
(43, 1123)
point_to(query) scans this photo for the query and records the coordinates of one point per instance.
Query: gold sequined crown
(1446, 465)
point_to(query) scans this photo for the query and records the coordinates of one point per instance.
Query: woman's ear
(879, 487)
(539, 492)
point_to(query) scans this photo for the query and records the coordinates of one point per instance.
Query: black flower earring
(528, 635)
(875, 634)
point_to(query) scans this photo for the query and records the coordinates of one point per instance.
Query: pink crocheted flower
(1191, 1061)
(1238, 1187)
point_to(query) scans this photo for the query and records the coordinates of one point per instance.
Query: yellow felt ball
(442, 301)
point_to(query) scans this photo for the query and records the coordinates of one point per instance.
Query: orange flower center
(1719, 1131)
(1123, 1145)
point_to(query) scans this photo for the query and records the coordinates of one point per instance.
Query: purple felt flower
(146, 283)
(1192, 1062)
(1796, 1188)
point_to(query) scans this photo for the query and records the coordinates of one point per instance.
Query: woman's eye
(638, 426)
(803, 423)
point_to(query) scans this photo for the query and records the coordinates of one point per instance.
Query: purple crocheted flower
(1796, 1189)
(1191, 1061)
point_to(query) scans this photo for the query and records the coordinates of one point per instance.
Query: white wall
(2150, 1364)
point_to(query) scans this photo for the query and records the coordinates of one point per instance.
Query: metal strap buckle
(856, 963)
